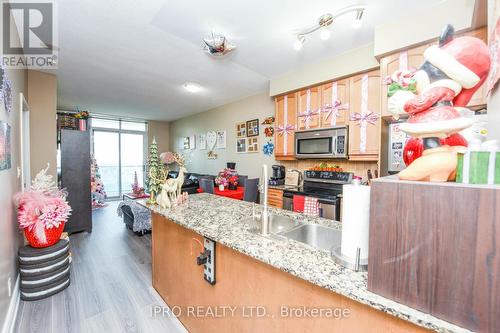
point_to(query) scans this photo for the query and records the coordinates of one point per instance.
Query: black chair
(207, 185)
(242, 179)
(251, 190)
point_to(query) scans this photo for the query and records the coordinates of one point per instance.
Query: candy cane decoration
(365, 117)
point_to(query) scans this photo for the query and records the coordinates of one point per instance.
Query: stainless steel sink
(277, 224)
(315, 235)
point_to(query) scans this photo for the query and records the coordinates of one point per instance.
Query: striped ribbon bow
(334, 110)
(287, 129)
(307, 115)
(361, 118)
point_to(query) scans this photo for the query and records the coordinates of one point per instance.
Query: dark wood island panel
(436, 247)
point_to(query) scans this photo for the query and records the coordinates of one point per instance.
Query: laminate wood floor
(110, 287)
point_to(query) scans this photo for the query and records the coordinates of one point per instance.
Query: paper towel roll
(355, 220)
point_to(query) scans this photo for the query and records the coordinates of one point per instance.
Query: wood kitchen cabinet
(286, 116)
(312, 121)
(275, 197)
(392, 63)
(372, 130)
(327, 100)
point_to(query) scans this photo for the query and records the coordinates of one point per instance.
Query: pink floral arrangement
(42, 208)
(226, 177)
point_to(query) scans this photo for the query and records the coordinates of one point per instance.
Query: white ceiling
(131, 57)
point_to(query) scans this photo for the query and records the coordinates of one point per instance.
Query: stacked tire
(44, 271)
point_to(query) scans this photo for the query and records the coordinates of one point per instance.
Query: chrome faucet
(264, 218)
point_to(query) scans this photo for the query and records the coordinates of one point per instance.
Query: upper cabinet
(286, 117)
(414, 58)
(309, 113)
(364, 122)
(334, 103)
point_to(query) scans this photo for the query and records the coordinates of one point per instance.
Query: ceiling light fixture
(192, 87)
(325, 21)
(299, 43)
(217, 45)
(324, 34)
(358, 21)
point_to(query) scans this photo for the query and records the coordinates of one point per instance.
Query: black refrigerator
(75, 178)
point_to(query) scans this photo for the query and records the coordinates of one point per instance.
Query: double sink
(314, 235)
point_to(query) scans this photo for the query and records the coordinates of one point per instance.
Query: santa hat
(465, 60)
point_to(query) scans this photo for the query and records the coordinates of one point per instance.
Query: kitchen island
(264, 284)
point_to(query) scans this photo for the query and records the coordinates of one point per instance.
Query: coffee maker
(278, 177)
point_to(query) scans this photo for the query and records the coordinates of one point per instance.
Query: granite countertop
(220, 219)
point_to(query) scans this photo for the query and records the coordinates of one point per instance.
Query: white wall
(225, 118)
(10, 237)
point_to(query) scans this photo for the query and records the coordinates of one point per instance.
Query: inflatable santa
(444, 84)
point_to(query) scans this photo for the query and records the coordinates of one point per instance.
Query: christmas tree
(96, 185)
(136, 188)
(156, 172)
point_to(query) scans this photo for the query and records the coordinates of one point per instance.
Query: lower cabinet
(275, 198)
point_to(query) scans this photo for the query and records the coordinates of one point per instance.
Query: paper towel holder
(356, 264)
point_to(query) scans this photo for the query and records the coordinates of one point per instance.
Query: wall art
(241, 130)
(5, 148)
(253, 144)
(5, 90)
(268, 148)
(221, 140)
(202, 141)
(268, 121)
(241, 145)
(185, 143)
(253, 127)
(192, 142)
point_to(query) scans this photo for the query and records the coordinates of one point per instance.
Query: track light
(299, 43)
(358, 21)
(324, 34)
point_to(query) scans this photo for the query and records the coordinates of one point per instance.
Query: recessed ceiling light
(192, 87)
(324, 34)
(299, 43)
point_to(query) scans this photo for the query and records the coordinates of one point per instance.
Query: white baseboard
(10, 319)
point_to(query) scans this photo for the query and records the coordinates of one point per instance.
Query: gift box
(478, 167)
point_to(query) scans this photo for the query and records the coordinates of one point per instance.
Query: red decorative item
(415, 146)
(52, 235)
(269, 131)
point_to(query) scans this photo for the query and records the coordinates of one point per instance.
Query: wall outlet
(9, 286)
(18, 172)
(209, 267)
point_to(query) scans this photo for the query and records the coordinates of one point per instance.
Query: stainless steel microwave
(322, 143)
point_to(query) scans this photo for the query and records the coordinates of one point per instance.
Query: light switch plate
(209, 267)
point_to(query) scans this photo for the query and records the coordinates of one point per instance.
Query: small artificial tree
(156, 172)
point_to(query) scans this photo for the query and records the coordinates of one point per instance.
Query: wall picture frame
(241, 130)
(253, 144)
(192, 142)
(202, 141)
(221, 140)
(253, 127)
(5, 146)
(185, 143)
(241, 145)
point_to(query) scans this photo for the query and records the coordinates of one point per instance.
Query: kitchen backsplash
(358, 168)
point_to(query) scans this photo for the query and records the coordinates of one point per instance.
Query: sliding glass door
(119, 150)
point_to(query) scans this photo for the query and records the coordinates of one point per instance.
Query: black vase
(232, 187)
